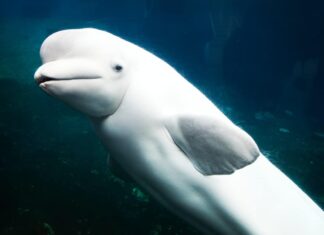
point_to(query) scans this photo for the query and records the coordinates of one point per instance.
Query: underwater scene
(260, 62)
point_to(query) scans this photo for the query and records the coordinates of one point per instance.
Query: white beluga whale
(171, 139)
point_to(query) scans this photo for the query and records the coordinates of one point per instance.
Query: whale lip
(41, 78)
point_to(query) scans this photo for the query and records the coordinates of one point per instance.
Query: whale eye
(118, 68)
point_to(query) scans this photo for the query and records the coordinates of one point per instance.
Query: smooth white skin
(129, 109)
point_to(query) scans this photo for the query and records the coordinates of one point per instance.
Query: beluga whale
(171, 139)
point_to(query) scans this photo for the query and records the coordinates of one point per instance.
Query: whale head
(87, 69)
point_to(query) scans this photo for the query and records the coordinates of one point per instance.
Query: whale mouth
(43, 79)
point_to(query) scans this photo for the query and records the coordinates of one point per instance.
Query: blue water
(261, 62)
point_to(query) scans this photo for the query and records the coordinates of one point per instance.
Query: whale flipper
(212, 147)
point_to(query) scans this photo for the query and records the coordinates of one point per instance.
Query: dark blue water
(261, 62)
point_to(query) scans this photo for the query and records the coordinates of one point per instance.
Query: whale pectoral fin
(214, 146)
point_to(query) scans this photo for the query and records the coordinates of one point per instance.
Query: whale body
(171, 139)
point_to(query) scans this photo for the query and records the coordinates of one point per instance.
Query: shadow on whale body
(184, 150)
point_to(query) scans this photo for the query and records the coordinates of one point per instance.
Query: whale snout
(37, 74)
(40, 78)
(67, 69)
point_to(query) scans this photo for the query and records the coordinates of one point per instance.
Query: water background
(261, 62)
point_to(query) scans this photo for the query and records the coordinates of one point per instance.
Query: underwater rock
(264, 116)
(94, 172)
(319, 134)
(289, 113)
(284, 130)
(157, 230)
(45, 229)
(139, 195)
